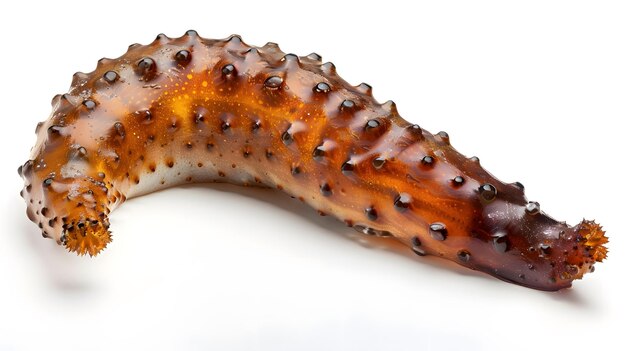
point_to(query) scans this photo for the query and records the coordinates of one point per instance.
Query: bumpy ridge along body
(194, 110)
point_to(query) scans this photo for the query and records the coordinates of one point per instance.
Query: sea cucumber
(192, 109)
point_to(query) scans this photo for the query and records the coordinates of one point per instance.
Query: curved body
(197, 110)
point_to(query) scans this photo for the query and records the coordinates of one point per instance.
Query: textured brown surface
(194, 110)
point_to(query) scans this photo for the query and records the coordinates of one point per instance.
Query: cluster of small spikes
(594, 239)
(86, 238)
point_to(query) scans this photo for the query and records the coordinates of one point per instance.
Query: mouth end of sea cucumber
(567, 259)
(594, 239)
(88, 239)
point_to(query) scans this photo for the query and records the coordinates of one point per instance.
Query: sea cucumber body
(197, 110)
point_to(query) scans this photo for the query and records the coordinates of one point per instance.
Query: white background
(537, 89)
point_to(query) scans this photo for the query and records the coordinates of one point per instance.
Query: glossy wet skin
(198, 110)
